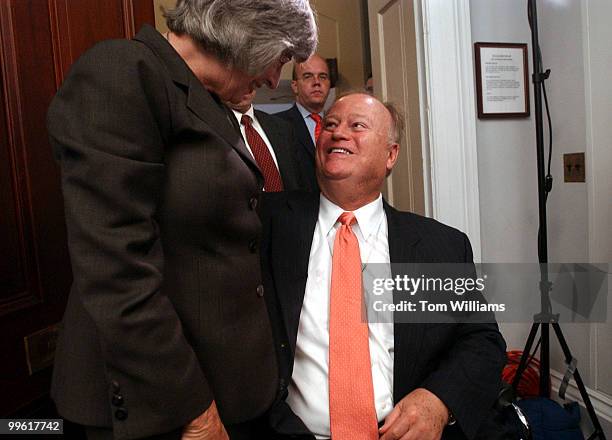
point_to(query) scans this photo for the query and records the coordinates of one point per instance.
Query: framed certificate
(501, 80)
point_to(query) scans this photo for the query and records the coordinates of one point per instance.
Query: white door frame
(449, 115)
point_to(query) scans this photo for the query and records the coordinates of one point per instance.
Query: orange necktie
(351, 393)
(317, 118)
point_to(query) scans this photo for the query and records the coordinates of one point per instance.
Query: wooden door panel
(12, 277)
(395, 74)
(16, 215)
(78, 24)
(340, 37)
(40, 39)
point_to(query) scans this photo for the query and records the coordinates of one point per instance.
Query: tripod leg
(525, 356)
(545, 361)
(583, 393)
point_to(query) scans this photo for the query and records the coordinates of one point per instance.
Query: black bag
(505, 420)
(551, 421)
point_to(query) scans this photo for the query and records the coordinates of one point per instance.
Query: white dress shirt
(309, 389)
(251, 112)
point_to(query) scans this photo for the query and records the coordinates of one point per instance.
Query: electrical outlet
(573, 167)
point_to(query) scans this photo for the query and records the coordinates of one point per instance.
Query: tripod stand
(546, 318)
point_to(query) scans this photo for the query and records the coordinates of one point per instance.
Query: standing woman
(166, 331)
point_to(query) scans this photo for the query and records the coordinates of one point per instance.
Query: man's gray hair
(397, 123)
(247, 34)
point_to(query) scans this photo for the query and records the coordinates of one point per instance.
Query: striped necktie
(263, 157)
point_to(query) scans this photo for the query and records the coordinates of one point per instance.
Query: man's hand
(207, 426)
(421, 415)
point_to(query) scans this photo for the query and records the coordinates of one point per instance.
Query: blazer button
(253, 203)
(260, 291)
(115, 386)
(121, 414)
(117, 400)
(253, 246)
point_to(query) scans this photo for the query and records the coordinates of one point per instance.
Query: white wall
(507, 172)
(506, 152)
(598, 98)
(578, 213)
(561, 40)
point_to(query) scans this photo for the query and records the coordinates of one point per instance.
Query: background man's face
(312, 84)
(238, 84)
(369, 86)
(244, 103)
(354, 144)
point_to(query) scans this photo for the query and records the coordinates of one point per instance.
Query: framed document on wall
(502, 84)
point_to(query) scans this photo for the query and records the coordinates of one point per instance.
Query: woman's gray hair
(247, 34)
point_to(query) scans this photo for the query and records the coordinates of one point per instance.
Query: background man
(271, 142)
(395, 380)
(311, 85)
(369, 85)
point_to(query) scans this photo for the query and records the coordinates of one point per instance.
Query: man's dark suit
(460, 363)
(282, 138)
(305, 146)
(160, 198)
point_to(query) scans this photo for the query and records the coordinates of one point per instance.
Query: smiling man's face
(354, 146)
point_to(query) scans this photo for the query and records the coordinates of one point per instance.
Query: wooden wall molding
(451, 116)
(29, 292)
(128, 18)
(39, 41)
(61, 42)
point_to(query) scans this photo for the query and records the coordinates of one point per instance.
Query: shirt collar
(368, 216)
(250, 112)
(304, 112)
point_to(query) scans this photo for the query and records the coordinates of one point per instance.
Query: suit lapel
(275, 137)
(302, 133)
(402, 248)
(271, 129)
(199, 100)
(278, 141)
(408, 337)
(292, 233)
(215, 114)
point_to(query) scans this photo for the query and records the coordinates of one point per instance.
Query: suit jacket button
(115, 386)
(253, 203)
(260, 291)
(121, 414)
(117, 400)
(253, 246)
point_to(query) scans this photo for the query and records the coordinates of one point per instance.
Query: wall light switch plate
(40, 348)
(573, 167)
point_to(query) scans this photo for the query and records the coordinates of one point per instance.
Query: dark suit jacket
(160, 197)
(460, 363)
(282, 138)
(305, 147)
